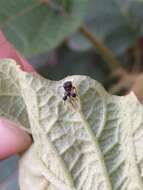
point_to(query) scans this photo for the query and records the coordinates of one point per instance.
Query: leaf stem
(113, 63)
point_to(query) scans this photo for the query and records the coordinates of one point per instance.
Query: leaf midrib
(99, 153)
(96, 148)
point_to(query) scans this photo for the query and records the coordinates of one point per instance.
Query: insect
(70, 92)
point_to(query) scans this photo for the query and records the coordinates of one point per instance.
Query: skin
(13, 140)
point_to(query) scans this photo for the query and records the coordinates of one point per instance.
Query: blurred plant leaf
(9, 174)
(35, 26)
(117, 23)
(62, 62)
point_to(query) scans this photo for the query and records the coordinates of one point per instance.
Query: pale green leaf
(94, 144)
(35, 26)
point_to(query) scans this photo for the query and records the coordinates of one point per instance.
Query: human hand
(13, 140)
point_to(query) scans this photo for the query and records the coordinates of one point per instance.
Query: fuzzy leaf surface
(95, 145)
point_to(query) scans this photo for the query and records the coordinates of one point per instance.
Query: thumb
(13, 140)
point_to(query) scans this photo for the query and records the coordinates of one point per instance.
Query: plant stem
(113, 63)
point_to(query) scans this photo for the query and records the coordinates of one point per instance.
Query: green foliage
(116, 22)
(67, 62)
(35, 26)
(9, 174)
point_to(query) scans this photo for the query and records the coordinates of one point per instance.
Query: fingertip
(13, 140)
(7, 50)
(2, 38)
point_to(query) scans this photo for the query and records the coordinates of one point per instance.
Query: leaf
(94, 143)
(56, 67)
(8, 51)
(117, 23)
(38, 26)
(9, 174)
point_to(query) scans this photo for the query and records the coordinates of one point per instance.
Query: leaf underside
(93, 143)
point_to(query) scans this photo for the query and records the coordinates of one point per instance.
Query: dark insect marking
(68, 86)
(73, 95)
(65, 98)
(70, 90)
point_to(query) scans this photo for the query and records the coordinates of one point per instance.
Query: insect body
(70, 90)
